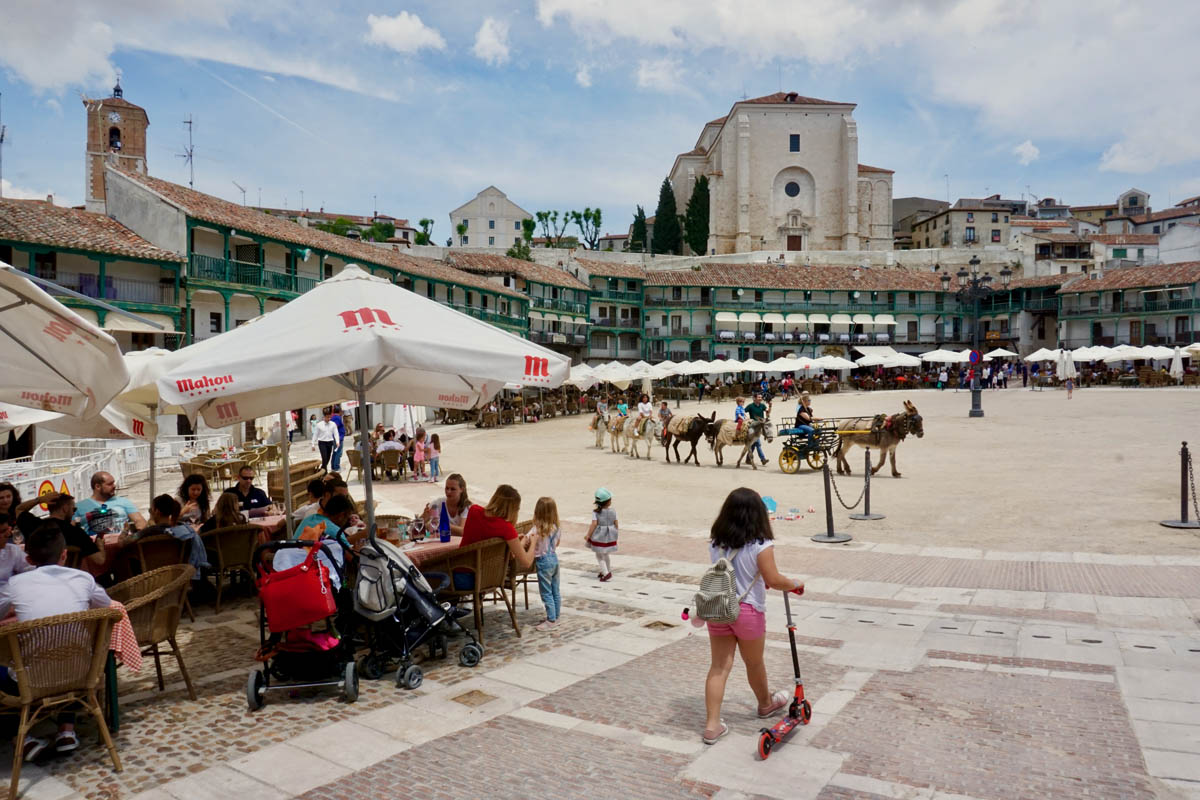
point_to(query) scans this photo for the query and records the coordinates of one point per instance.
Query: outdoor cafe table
(423, 552)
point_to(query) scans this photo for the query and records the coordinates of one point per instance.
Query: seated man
(389, 443)
(334, 522)
(164, 519)
(60, 510)
(316, 493)
(12, 557)
(46, 591)
(251, 499)
(105, 512)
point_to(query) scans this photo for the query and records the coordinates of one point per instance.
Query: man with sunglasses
(251, 499)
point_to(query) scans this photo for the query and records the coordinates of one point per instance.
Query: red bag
(298, 596)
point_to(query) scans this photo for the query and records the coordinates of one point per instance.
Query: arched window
(114, 138)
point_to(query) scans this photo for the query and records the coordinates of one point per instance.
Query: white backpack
(718, 600)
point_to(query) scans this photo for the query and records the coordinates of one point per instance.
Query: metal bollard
(1185, 468)
(866, 512)
(830, 537)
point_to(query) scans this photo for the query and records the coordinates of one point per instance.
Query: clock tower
(116, 134)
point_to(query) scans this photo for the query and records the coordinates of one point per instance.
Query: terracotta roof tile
(612, 269)
(766, 276)
(1170, 213)
(1183, 274)
(869, 168)
(1100, 207)
(242, 218)
(1187, 201)
(1039, 281)
(781, 98)
(488, 264)
(39, 222)
(1125, 238)
(1039, 223)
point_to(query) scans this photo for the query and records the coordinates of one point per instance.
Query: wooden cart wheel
(816, 459)
(789, 460)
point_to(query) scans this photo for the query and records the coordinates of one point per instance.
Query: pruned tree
(588, 223)
(425, 235)
(522, 249)
(379, 231)
(637, 237)
(340, 226)
(528, 227)
(461, 230)
(667, 235)
(695, 223)
(552, 226)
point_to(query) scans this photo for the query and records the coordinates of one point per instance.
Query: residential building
(1133, 203)
(616, 313)
(405, 234)
(116, 135)
(1094, 213)
(1024, 317)
(907, 212)
(1053, 253)
(964, 226)
(1181, 243)
(995, 202)
(617, 242)
(1049, 208)
(558, 301)
(1114, 250)
(96, 256)
(491, 220)
(1023, 225)
(1135, 306)
(784, 175)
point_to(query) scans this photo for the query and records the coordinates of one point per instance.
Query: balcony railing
(129, 290)
(1145, 307)
(608, 322)
(551, 337)
(682, 303)
(215, 268)
(491, 316)
(620, 297)
(558, 305)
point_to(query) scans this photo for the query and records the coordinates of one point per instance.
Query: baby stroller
(404, 614)
(291, 600)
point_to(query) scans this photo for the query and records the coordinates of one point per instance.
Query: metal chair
(153, 601)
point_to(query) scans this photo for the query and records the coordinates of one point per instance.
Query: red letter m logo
(365, 316)
(537, 367)
(139, 428)
(227, 410)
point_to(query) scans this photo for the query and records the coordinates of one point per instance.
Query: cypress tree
(696, 217)
(667, 235)
(637, 238)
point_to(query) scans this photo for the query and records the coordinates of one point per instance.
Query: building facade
(491, 220)
(116, 135)
(1135, 306)
(784, 175)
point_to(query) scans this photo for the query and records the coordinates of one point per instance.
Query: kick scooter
(799, 711)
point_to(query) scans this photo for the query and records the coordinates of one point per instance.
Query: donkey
(893, 431)
(600, 425)
(725, 433)
(647, 432)
(685, 429)
(616, 432)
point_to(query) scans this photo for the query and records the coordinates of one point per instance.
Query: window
(1170, 225)
(995, 217)
(995, 234)
(470, 298)
(429, 290)
(214, 322)
(1062, 270)
(140, 341)
(516, 240)
(935, 222)
(631, 286)
(467, 224)
(46, 265)
(758, 296)
(794, 143)
(1108, 212)
(1134, 200)
(970, 216)
(114, 139)
(465, 239)
(970, 235)
(1119, 252)
(491, 240)
(483, 300)
(912, 299)
(676, 293)
(517, 225)
(1141, 253)
(1158, 229)
(791, 189)
(491, 224)
(1006, 219)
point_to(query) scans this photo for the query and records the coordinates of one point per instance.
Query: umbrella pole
(285, 447)
(365, 448)
(152, 466)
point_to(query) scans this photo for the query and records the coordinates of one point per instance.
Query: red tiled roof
(39, 222)
(1060, 238)
(1100, 207)
(207, 208)
(488, 264)
(1188, 200)
(1125, 238)
(717, 121)
(1040, 223)
(868, 168)
(764, 276)
(695, 151)
(1170, 213)
(1039, 281)
(781, 98)
(612, 269)
(1183, 274)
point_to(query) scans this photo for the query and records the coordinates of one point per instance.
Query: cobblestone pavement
(920, 690)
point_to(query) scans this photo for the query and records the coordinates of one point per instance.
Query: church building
(116, 135)
(783, 174)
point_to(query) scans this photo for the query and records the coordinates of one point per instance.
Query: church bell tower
(116, 134)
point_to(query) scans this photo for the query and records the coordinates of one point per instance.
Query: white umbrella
(54, 359)
(1176, 369)
(1125, 352)
(364, 335)
(1042, 354)
(999, 352)
(871, 361)
(902, 360)
(791, 364)
(754, 365)
(941, 356)
(728, 365)
(834, 362)
(1158, 352)
(1193, 348)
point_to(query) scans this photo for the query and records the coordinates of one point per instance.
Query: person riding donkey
(739, 415)
(645, 413)
(759, 412)
(664, 416)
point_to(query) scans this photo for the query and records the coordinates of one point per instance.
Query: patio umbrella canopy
(941, 357)
(1176, 370)
(999, 352)
(54, 360)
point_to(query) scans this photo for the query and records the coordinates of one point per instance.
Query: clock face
(113, 116)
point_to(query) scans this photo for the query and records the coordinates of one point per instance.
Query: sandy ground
(1039, 472)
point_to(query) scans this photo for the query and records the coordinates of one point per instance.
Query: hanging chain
(1192, 479)
(839, 494)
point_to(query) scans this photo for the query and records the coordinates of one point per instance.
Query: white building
(491, 220)
(1181, 243)
(784, 175)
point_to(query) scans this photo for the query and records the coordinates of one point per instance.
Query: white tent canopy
(834, 362)
(999, 352)
(942, 357)
(902, 360)
(791, 364)
(1042, 354)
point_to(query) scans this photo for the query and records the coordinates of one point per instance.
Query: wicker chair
(488, 562)
(57, 662)
(74, 557)
(516, 575)
(392, 460)
(231, 550)
(154, 601)
(150, 553)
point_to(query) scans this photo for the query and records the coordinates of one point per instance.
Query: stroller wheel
(470, 655)
(350, 683)
(255, 689)
(437, 647)
(372, 666)
(410, 677)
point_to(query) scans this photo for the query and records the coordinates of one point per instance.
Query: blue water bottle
(444, 525)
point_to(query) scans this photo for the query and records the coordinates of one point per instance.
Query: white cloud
(583, 76)
(491, 42)
(12, 192)
(1026, 152)
(268, 78)
(404, 33)
(660, 74)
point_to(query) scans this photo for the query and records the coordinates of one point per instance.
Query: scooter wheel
(805, 712)
(765, 743)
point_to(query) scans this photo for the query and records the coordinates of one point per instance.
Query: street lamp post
(972, 288)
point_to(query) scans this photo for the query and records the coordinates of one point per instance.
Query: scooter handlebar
(799, 590)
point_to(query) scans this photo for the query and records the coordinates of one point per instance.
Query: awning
(863, 319)
(119, 322)
(840, 319)
(995, 316)
(535, 314)
(797, 319)
(550, 317)
(772, 318)
(726, 316)
(749, 316)
(818, 319)
(885, 319)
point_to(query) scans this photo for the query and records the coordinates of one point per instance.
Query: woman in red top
(496, 521)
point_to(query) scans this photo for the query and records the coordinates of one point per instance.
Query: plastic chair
(153, 601)
(231, 550)
(57, 662)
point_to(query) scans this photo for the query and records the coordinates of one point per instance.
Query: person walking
(336, 419)
(602, 534)
(434, 451)
(742, 533)
(545, 536)
(943, 379)
(325, 436)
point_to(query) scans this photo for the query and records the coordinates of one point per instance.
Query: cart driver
(805, 417)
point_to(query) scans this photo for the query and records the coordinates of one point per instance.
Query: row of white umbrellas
(621, 375)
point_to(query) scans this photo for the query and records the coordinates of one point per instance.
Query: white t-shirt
(745, 570)
(51, 590)
(645, 409)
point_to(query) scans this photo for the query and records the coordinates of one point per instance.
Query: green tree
(552, 226)
(379, 232)
(637, 238)
(425, 235)
(695, 217)
(340, 226)
(667, 235)
(461, 230)
(528, 227)
(588, 223)
(523, 247)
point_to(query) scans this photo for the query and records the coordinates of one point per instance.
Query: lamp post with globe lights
(973, 287)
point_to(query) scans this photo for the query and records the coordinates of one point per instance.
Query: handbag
(298, 596)
(718, 600)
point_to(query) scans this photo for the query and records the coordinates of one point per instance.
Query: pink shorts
(751, 624)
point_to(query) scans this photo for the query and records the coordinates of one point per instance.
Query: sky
(411, 108)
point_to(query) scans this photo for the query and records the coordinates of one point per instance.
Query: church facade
(783, 175)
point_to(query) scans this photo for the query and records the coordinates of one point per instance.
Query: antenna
(947, 177)
(375, 205)
(187, 153)
(260, 197)
(3, 132)
(241, 189)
